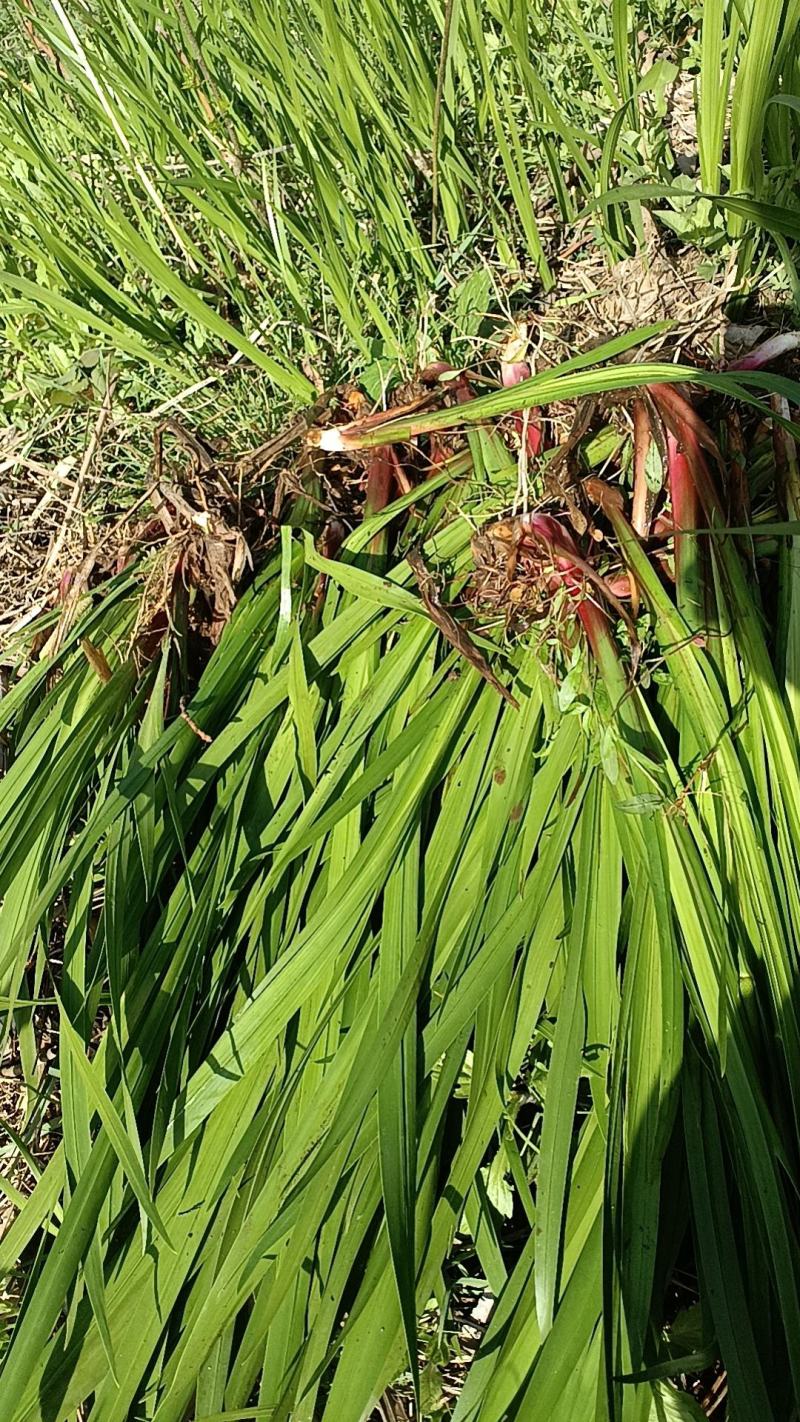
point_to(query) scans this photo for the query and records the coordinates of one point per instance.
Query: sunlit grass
(368, 980)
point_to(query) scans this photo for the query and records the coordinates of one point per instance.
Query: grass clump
(186, 184)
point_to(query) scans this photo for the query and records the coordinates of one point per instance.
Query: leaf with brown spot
(96, 660)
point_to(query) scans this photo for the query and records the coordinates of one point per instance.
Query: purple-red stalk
(685, 505)
(384, 477)
(512, 373)
(768, 350)
(571, 573)
(691, 490)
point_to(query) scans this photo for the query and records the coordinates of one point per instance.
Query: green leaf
(654, 468)
(125, 1150)
(562, 1084)
(302, 705)
(670, 1405)
(498, 1189)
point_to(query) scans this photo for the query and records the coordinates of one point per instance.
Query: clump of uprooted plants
(436, 929)
(548, 551)
(592, 475)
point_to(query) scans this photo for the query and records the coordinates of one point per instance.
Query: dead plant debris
(208, 513)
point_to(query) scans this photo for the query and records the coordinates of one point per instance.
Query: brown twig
(451, 630)
(81, 579)
(193, 726)
(83, 473)
(257, 461)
